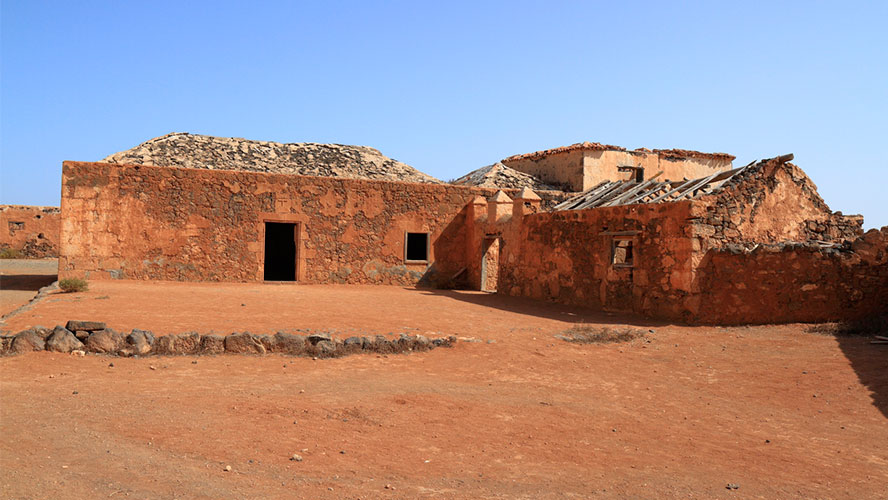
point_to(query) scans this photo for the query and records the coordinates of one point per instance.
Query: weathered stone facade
(31, 231)
(142, 222)
(763, 247)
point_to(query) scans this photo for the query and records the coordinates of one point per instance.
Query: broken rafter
(616, 193)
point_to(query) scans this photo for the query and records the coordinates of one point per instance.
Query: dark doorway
(280, 251)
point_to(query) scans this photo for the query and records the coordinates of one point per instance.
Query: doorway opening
(490, 265)
(280, 251)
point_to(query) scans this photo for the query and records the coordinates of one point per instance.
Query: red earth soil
(679, 413)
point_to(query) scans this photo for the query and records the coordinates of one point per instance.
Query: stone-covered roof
(688, 153)
(597, 146)
(182, 149)
(502, 177)
(585, 146)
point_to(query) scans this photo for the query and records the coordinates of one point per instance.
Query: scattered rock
(243, 343)
(314, 338)
(138, 342)
(288, 343)
(269, 342)
(27, 341)
(732, 486)
(104, 341)
(227, 468)
(296, 457)
(185, 343)
(212, 344)
(62, 340)
(87, 326)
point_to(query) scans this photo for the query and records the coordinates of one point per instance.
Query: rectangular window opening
(622, 251)
(416, 247)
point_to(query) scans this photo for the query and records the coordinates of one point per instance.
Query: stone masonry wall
(795, 282)
(143, 222)
(566, 257)
(771, 203)
(32, 231)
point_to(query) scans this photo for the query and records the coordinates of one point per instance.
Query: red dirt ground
(780, 412)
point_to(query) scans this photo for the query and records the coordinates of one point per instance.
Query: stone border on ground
(96, 337)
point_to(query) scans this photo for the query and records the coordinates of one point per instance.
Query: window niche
(416, 248)
(622, 252)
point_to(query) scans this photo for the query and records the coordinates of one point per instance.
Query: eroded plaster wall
(582, 169)
(32, 231)
(141, 222)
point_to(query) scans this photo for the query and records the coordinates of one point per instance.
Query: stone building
(708, 244)
(29, 231)
(581, 166)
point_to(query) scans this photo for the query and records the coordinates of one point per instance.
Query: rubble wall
(772, 203)
(143, 222)
(566, 257)
(32, 231)
(795, 282)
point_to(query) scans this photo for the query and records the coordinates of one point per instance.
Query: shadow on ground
(870, 362)
(548, 310)
(26, 281)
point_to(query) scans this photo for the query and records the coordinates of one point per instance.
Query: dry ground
(679, 414)
(21, 278)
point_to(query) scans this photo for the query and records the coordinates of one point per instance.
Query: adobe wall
(142, 222)
(32, 231)
(579, 169)
(795, 282)
(565, 257)
(559, 169)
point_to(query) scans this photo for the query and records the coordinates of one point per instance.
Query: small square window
(416, 247)
(622, 253)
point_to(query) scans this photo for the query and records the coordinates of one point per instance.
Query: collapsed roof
(182, 149)
(615, 193)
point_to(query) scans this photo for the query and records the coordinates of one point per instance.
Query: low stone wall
(33, 232)
(795, 282)
(96, 337)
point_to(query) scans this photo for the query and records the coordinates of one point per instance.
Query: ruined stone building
(670, 234)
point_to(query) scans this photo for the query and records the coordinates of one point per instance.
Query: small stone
(296, 457)
(227, 468)
(110, 365)
(75, 392)
(152, 367)
(733, 486)
(78, 352)
(342, 452)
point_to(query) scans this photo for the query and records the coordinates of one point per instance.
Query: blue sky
(448, 86)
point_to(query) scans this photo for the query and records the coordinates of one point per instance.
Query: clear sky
(448, 87)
